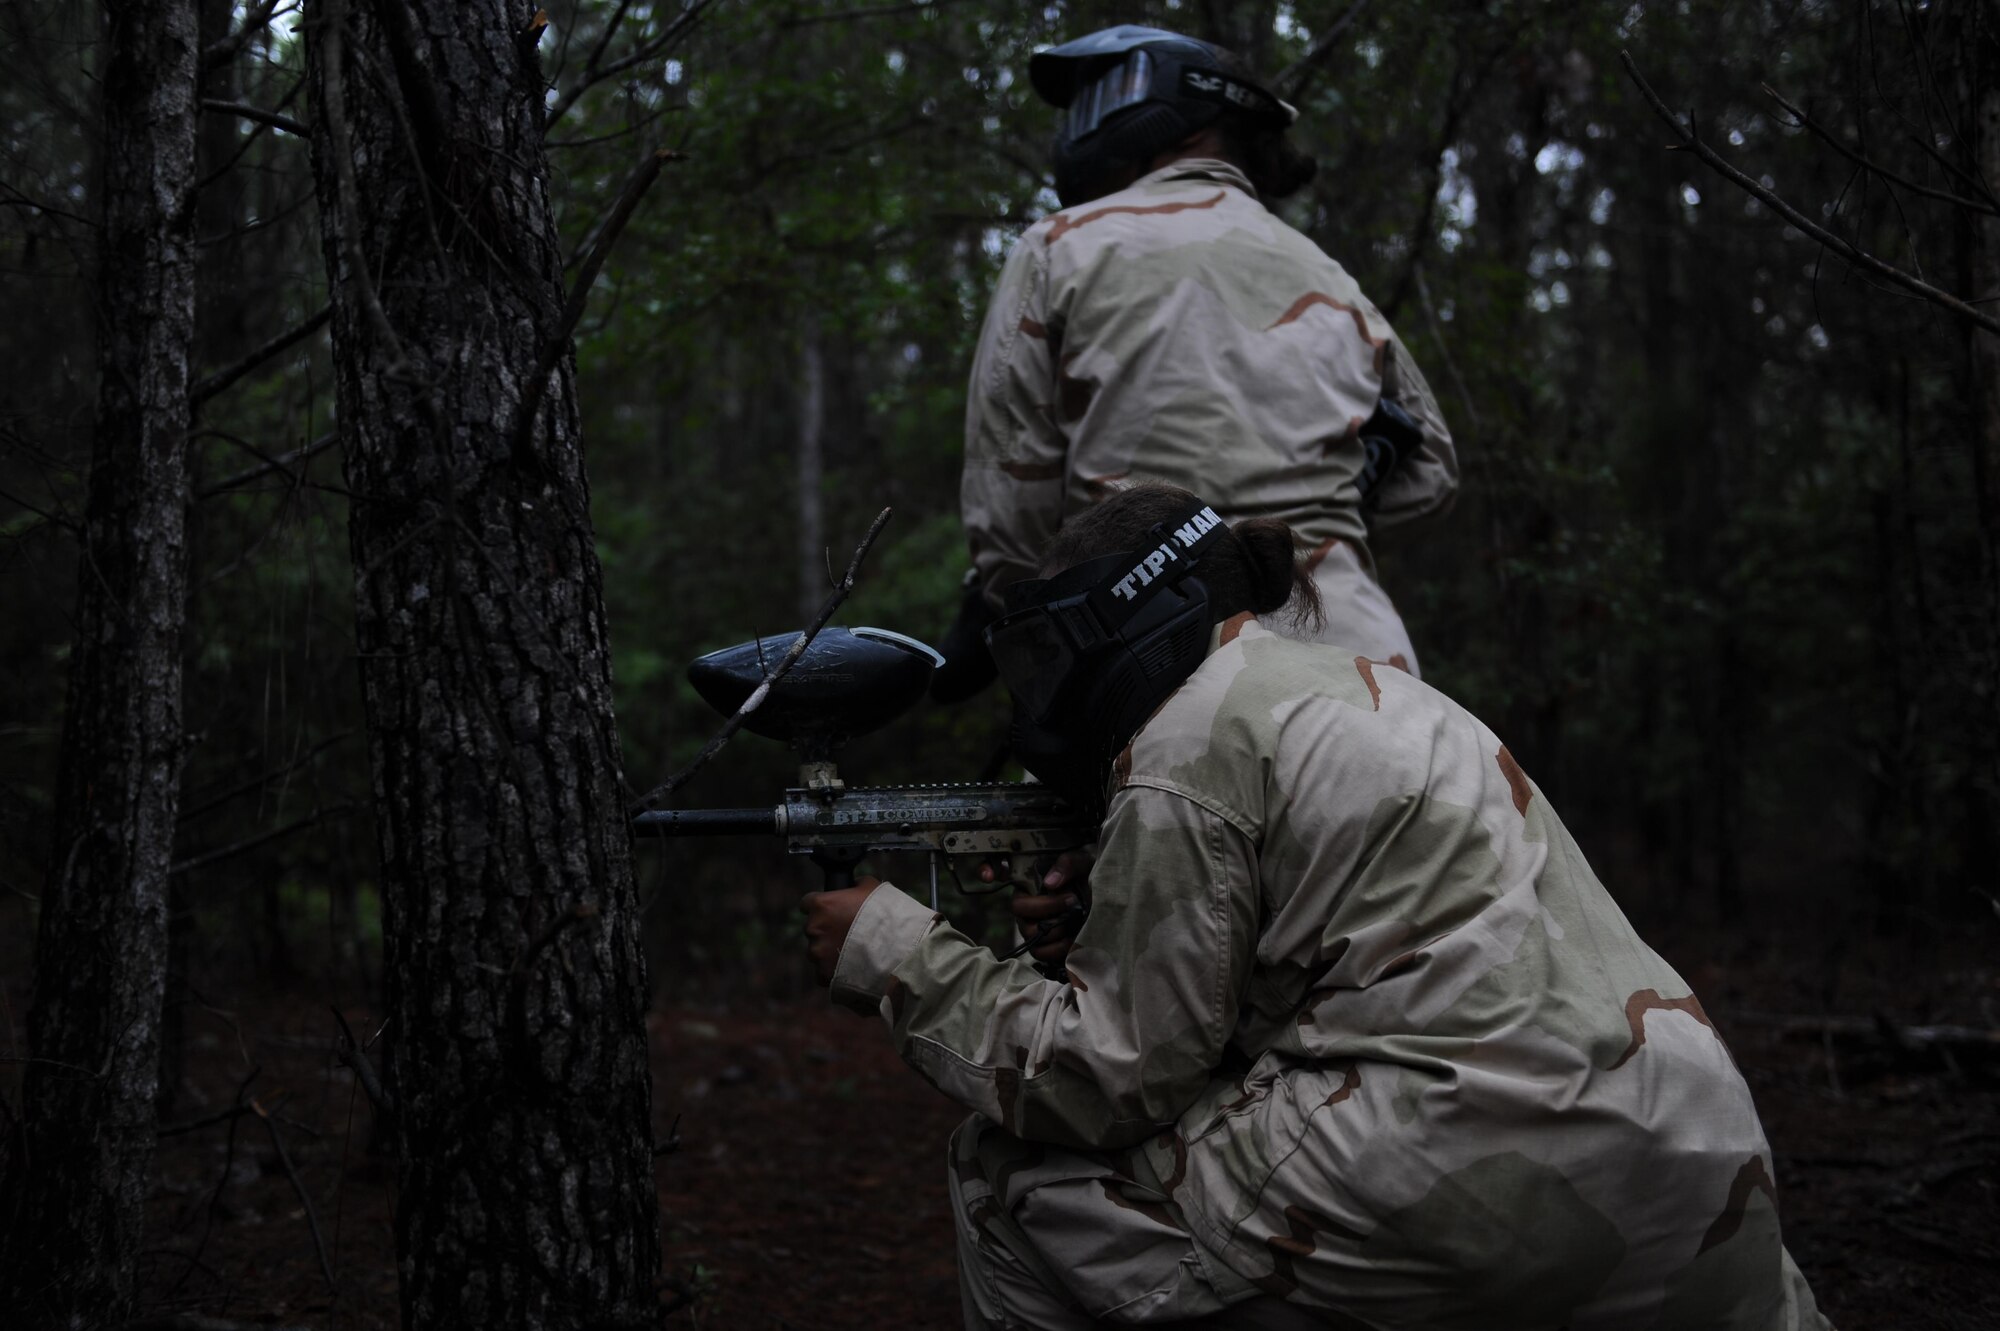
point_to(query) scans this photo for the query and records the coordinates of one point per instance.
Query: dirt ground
(808, 1191)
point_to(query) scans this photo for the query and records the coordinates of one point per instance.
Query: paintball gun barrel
(850, 682)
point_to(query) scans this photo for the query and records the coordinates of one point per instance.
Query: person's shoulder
(1216, 737)
(1165, 205)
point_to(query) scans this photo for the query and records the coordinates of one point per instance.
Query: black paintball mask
(1091, 653)
(1128, 94)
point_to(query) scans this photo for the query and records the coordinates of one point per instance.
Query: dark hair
(1259, 571)
(1277, 167)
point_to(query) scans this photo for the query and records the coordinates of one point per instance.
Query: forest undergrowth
(807, 1188)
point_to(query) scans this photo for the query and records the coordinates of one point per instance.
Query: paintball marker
(850, 682)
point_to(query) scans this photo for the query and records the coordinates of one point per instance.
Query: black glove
(968, 666)
(1387, 437)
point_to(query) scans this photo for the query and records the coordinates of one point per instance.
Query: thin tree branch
(1820, 131)
(350, 1052)
(209, 386)
(228, 48)
(298, 1186)
(1303, 66)
(647, 50)
(1855, 255)
(579, 292)
(244, 111)
(872, 11)
(263, 779)
(283, 462)
(207, 858)
(333, 95)
(1955, 169)
(757, 695)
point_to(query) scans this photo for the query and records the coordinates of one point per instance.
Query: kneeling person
(1351, 1035)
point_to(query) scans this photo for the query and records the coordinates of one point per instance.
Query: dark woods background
(1722, 573)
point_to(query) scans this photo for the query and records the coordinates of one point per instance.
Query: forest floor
(808, 1190)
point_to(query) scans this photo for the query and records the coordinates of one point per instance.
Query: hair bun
(1273, 562)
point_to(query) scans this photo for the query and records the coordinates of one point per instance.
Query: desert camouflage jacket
(1178, 331)
(1349, 983)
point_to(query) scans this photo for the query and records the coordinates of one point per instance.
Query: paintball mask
(1091, 653)
(1128, 94)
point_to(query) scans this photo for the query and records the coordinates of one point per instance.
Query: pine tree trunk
(83, 1162)
(515, 980)
(1983, 794)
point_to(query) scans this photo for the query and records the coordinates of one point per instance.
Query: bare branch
(1820, 131)
(1295, 74)
(244, 111)
(283, 462)
(757, 696)
(334, 99)
(222, 52)
(350, 1052)
(298, 1186)
(647, 50)
(207, 858)
(867, 11)
(1860, 258)
(263, 779)
(579, 292)
(291, 337)
(199, 1321)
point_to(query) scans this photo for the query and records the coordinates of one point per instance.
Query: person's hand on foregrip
(829, 915)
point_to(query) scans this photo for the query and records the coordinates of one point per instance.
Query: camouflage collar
(1241, 625)
(1200, 168)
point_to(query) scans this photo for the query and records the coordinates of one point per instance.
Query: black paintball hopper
(848, 683)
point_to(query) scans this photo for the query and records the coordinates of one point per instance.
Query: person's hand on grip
(1052, 916)
(829, 915)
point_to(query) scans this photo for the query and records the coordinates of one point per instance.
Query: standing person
(1165, 325)
(1351, 1036)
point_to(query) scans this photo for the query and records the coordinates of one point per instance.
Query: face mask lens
(1033, 657)
(1123, 84)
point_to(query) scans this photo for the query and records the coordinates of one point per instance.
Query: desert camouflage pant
(1058, 1240)
(1359, 614)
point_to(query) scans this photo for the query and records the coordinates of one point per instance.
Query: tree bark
(82, 1163)
(1985, 64)
(515, 980)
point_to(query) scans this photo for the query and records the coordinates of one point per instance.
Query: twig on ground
(199, 1322)
(350, 1052)
(1691, 139)
(221, 1183)
(209, 386)
(757, 696)
(298, 1186)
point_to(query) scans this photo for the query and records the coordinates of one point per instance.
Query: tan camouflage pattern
(1395, 1053)
(1178, 331)
(1055, 1239)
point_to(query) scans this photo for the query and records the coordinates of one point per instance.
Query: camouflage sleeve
(1131, 1036)
(1425, 484)
(1011, 490)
